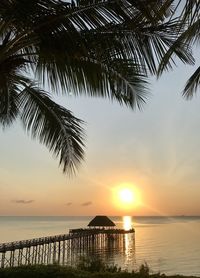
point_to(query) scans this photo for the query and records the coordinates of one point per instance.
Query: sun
(126, 196)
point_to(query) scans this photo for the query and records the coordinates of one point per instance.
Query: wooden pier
(62, 249)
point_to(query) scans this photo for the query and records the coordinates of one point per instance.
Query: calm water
(168, 245)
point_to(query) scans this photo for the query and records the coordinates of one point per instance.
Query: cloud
(24, 202)
(86, 204)
(68, 204)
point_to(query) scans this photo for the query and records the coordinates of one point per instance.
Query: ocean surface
(167, 245)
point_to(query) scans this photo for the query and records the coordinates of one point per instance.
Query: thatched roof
(101, 221)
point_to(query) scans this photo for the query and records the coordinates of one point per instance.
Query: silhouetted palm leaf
(53, 125)
(9, 105)
(192, 84)
(188, 35)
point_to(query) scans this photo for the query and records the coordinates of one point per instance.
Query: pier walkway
(59, 248)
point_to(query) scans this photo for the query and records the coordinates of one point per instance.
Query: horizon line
(182, 215)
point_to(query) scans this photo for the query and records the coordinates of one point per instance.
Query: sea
(169, 245)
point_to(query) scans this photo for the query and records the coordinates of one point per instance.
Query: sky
(155, 152)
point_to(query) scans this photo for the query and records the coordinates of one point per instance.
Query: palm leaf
(74, 70)
(192, 84)
(83, 15)
(9, 104)
(59, 35)
(126, 84)
(53, 125)
(10, 66)
(190, 11)
(189, 34)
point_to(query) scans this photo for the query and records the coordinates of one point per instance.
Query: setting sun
(126, 196)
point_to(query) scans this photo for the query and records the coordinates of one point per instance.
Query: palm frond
(9, 104)
(192, 84)
(60, 34)
(181, 48)
(145, 45)
(123, 82)
(53, 125)
(81, 15)
(116, 79)
(188, 35)
(190, 11)
(10, 66)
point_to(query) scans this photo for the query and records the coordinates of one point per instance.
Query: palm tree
(104, 48)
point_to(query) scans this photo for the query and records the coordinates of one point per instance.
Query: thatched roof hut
(101, 221)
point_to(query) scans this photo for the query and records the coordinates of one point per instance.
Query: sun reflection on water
(129, 243)
(127, 223)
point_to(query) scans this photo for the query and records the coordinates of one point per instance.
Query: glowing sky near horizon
(156, 150)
